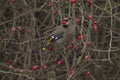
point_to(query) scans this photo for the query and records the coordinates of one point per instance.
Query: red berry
(90, 16)
(88, 73)
(88, 43)
(94, 22)
(59, 62)
(95, 27)
(80, 37)
(76, 48)
(13, 1)
(10, 62)
(13, 28)
(73, 42)
(90, 2)
(77, 20)
(45, 67)
(69, 71)
(21, 70)
(19, 28)
(73, 1)
(86, 58)
(68, 47)
(29, 30)
(35, 67)
(11, 67)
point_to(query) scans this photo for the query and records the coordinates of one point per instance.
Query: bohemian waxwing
(62, 34)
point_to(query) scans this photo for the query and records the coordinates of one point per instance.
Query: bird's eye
(65, 26)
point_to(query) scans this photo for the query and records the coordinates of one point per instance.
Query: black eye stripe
(65, 26)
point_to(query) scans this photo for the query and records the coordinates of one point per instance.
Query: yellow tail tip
(43, 49)
(50, 40)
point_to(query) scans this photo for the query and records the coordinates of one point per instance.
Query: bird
(62, 34)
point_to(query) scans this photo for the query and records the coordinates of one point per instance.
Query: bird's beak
(68, 22)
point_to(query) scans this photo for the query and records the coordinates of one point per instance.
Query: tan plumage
(62, 34)
(68, 34)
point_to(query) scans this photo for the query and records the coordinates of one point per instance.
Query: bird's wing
(56, 34)
(58, 30)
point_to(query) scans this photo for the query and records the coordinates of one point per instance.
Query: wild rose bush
(25, 26)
